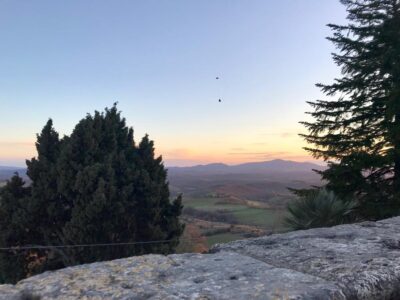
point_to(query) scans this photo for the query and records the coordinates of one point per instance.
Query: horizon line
(167, 165)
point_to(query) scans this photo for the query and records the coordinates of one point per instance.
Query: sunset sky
(159, 60)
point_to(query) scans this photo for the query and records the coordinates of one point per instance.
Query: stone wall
(359, 261)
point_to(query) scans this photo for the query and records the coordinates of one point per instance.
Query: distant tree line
(95, 186)
(218, 215)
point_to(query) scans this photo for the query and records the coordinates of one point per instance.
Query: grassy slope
(266, 218)
(270, 219)
(223, 238)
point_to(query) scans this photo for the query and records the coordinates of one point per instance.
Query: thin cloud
(264, 154)
(288, 134)
(17, 144)
(178, 152)
(284, 134)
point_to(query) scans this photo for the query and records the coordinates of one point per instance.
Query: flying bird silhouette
(219, 100)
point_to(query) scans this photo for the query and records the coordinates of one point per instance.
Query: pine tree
(359, 132)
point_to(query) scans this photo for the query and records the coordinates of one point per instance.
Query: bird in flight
(219, 100)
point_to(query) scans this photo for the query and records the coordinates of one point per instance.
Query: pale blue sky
(159, 60)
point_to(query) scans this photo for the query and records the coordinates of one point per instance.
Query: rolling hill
(259, 181)
(7, 172)
(265, 167)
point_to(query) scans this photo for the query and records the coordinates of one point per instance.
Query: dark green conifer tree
(45, 204)
(92, 187)
(14, 230)
(153, 201)
(359, 132)
(118, 190)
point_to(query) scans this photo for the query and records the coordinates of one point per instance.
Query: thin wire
(30, 247)
(94, 245)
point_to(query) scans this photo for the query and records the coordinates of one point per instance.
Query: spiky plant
(320, 209)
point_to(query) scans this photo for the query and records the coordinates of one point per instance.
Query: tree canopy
(357, 131)
(96, 186)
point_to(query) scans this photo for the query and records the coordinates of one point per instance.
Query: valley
(225, 203)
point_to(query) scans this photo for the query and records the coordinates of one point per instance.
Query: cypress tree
(98, 175)
(153, 201)
(118, 190)
(14, 230)
(92, 187)
(358, 133)
(45, 203)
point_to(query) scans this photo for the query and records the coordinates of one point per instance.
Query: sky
(159, 60)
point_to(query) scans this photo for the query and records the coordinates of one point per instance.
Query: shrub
(319, 209)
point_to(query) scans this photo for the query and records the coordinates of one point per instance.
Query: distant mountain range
(261, 181)
(277, 167)
(7, 172)
(272, 166)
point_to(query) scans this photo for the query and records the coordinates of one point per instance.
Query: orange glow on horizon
(193, 151)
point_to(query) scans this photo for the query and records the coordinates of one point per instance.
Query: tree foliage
(321, 208)
(358, 130)
(95, 186)
(14, 221)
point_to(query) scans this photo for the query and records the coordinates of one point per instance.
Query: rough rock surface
(362, 259)
(359, 261)
(188, 276)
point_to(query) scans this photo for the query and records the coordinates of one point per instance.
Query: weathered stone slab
(359, 261)
(363, 259)
(9, 292)
(187, 276)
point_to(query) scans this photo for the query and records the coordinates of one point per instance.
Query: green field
(265, 218)
(209, 204)
(223, 238)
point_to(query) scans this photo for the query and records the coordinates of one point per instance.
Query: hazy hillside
(266, 167)
(7, 172)
(256, 181)
(224, 203)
